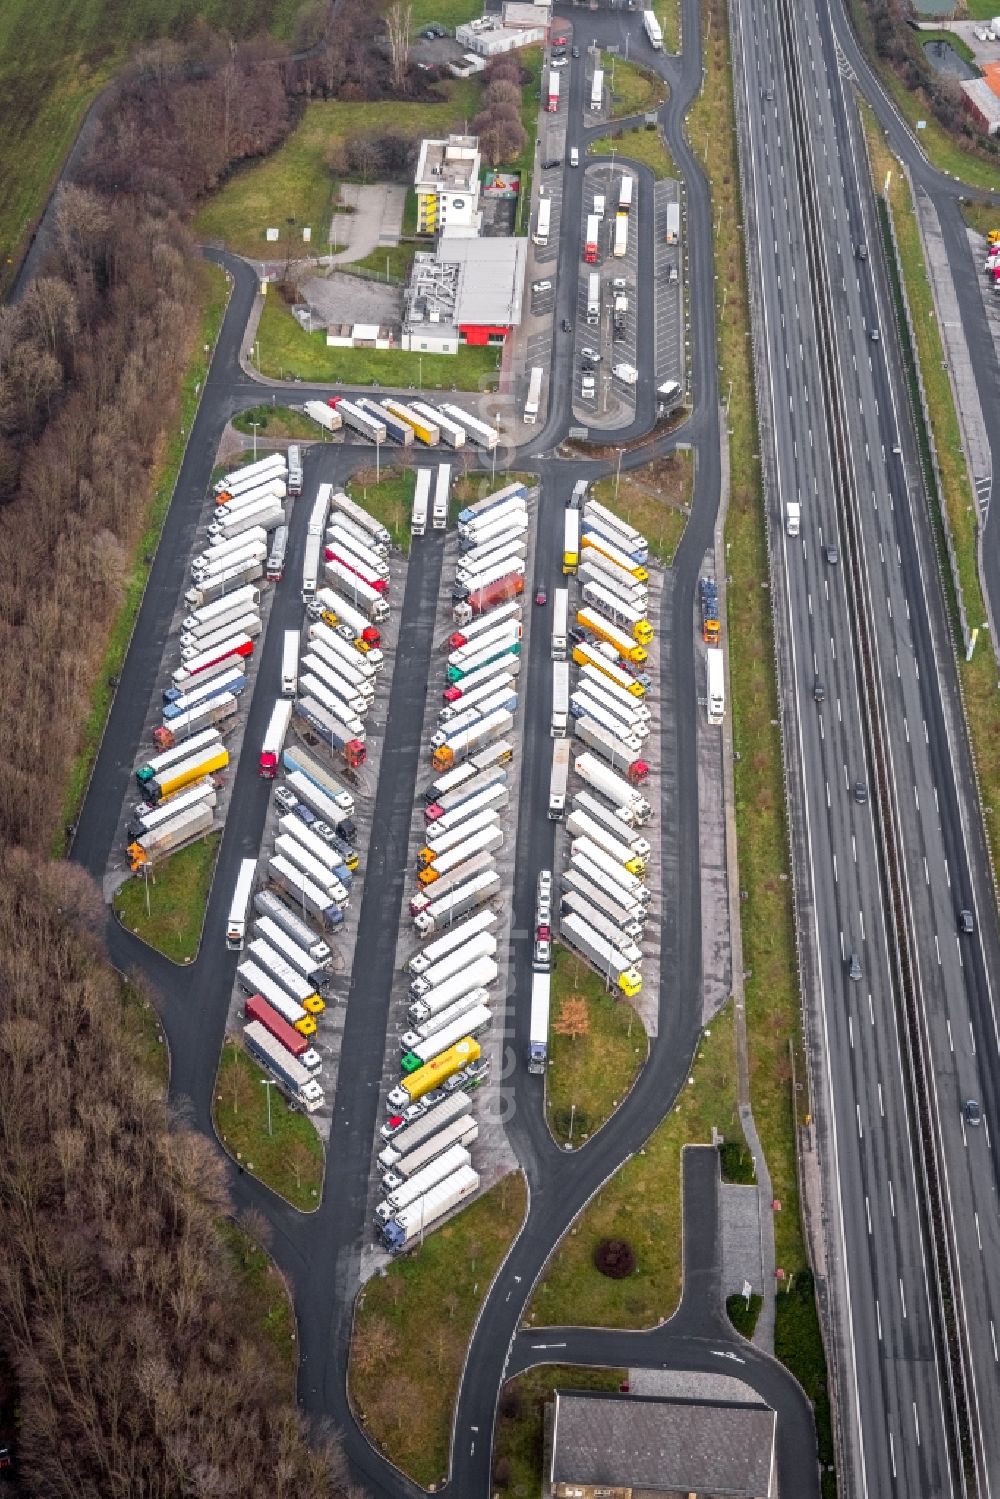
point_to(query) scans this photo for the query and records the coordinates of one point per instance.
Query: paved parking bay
(668, 273)
(614, 401)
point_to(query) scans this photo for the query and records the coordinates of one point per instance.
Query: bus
(442, 488)
(236, 926)
(534, 395)
(276, 556)
(421, 494)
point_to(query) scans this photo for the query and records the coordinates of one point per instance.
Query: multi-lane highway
(883, 870)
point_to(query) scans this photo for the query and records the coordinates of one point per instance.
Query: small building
(447, 186)
(648, 1447)
(490, 37)
(466, 291)
(982, 104)
(360, 336)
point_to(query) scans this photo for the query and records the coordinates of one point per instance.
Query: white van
(574, 157)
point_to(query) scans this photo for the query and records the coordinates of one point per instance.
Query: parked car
(592, 354)
(588, 386)
(541, 597)
(286, 799)
(541, 286)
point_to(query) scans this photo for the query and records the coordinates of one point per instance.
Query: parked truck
(582, 825)
(408, 1192)
(452, 941)
(452, 433)
(396, 429)
(329, 419)
(367, 600)
(251, 473)
(605, 661)
(620, 793)
(268, 905)
(232, 681)
(627, 913)
(413, 1222)
(335, 735)
(463, 1131)
(715, 674)
(592, 244)
(237, 601)
(412, 1136)
(254, 980)
(258, 1009)
(560, 699)
(183, 827)
(605, 926)
(571, 541)
(359, 420)
(605, 958)
(622, 758)
(418, 1050)
(484, 840)
(425, 428)
(543, 219)
(438, 844)
(478, 432)
(440, 913)
(219, 555)
(265, 515)
(342, 504)
(298, 759)
(601, 541)
(482, 944)
(219, 656)
(673, 234)
(301, 960)
(146, 819)
(216, 709)
(184, 772)
(219, 585)
(307, 895)
(274, 962)
(293, 1079)
(416, 1084)
(620, 822)
(593, 299)
(558, 779)
(538, 1035)
(462, 745)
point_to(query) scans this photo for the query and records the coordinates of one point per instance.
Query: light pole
(618, 473)
(256, 353)
(420, 372)
(378, 462)
(268, 1083)
(255, 426)
(572, 1121)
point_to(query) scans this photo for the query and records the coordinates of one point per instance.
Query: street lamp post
(618, 473)
(268, 1083)
(255, 426)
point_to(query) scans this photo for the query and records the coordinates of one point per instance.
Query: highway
(872, 630)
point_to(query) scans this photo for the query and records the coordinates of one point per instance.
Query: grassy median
(388, 498)
(277, 422)
(265, 1298)
(668, 13)
(597, 1046)
(282, 1149)
(639, 143)
(518, 1449)
(953, 505)
(413, 1326)
(166, 908)
(656, 499)
(642, 1205)
(632, 89)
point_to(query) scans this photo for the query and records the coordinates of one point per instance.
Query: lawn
(942, 149)
(518, 1449)
(743, 1313)
(54, 58)
(589, 1074)
(412, 1330)
(176, 892)
(450, 13)
(637, 144)
(287, 350)
(266, 1303)
(656, 499)
(294, 187)
(642, 1204)
(142, 1025)
(633, 91)
(389, 498)
(392, 263)
(212, 287)
(290, 1159)
(799, 1345)
(277, 421)
(978, 676)
(668, 13)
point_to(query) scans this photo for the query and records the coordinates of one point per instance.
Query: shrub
(615, 1258)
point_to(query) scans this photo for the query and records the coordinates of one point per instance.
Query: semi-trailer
(509, 518)
(501, 582)
(423, 961)
(416, 1084)
(246, 624)
(607, 960)
(217, 709)
(177, 702)
(606, 574)
(491, 501)
(598, 541)
(495, 794)
(509, 668)
(571, 542)
(597, 514)
(480, 433)
(257, 1008)
(464, 744)
(342, 503)
(298, 759)
(477, 695)
(360, 421)
(323, 415)
(293, 827)
(475, 1000)
(423, 427)
(312, 556)
(560, 624)
(465, 715)
(271, 490)
(421, 503)
(353, 666)
(611, 716)
(304, 992)
(623, 887)
(447, 909)
(236, 926)
(605, 926)
(428, 1177)
(271, 908)
(622, 749)
(474, 568)
(593, 680)
(479, 864)
(337, 610)
(462, 1131)
(470, 660)
(603, 629)
(265, 514)
(459, 795)
(474, 1022)
(621, 573)
(148, 819)
(184, 772)
(408, 1139)
(214, 557)
(288, 847)
(237, 601)
(442, 489)
(620, 546)
(314, 687)
(356, 698)
(481, 944)
(534, 396)
(307, 895)
(626, 616)
(619, 791)
(292, 951)
(452, 433)
(335, 735)
(653, 30)
(620, 243)
(219, 655)
(478, 973)
(220, 585)
(538, 1033)
(597, 91)
(595, 807)
(560, 698)
(251, 473)
(592, 243)
(504, 504)
(594, 857)
(182, 828)
(715, 681)
(208, 738)
(294, 469)
(582, 825)
(205, 630)
(253, 980)
(398, 430)
(293, 1079)
(344, 543)
(606, 662)
(321, 804)
(413, 1222)
(487, 840)
(627, 913)
(366, 599)
(558, 779)
(443, 843)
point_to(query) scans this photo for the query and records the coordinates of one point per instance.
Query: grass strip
(276, 421)
(518, 1448)
(288, 1157)
(176, 893)
(656, 499)
(266, 1303)
(285, 351)
(642, 1205)
(632, 89)
(668, 13)
(742, 1315)
(142, 1026)
(213, 288)
(591, 1071)
(798, 1343)
(639, 143)
(953, 503)
(412, 1330)
(389, 499)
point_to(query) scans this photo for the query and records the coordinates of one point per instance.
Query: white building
(447, 186)
(468, 291)
(490, 36)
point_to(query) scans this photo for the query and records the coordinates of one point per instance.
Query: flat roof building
(982, 104)
(447, 186)
(466, 291)
(646, 1447)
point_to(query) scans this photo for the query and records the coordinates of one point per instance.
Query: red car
(560, 41)
(541, 597)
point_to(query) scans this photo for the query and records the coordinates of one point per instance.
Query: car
(966, 922)
(832, 555)
(860, 793)
(588, 368)
(574, 156)
(819, 691)
(6, 1459)
(854, 968)
(477, 1072)
(559, 61)
(306, 814)
(567, 326)
(392, 1126)
(543, 910)
(576, 52)
(560, 41)
(455, 1083)
(590, 354)
(346, 632)
(769, 95)
(874, 335)
(543, 932)
(541, 286)
(541, 597)
(588, 387)
(973, 1112)
(550, 162)
(325, 831)
(861, 251)
(545, 882)
(577, 634)
(541, 957)
(286, 799)
(672, 275)
(433, 1098)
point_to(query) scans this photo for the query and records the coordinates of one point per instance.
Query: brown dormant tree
(397, 24)
(573, 1020)
(502, 92)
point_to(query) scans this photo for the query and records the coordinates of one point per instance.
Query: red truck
(257, 1008)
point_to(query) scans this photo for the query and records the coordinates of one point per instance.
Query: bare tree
(573, 1019)
(397, 22)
